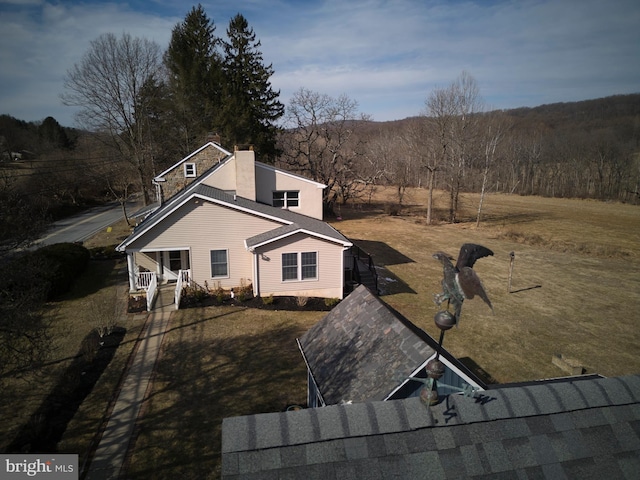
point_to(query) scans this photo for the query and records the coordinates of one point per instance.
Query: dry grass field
(575, 286)
(26, 397)
(575, 291)
(581, 256)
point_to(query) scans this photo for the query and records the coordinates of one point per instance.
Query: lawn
(575, 291)
(217, 362)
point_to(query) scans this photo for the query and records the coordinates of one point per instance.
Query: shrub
(268, 300)
(245, 290)
(302, 301)
(63, 263)
(392, 209)
(331, 302)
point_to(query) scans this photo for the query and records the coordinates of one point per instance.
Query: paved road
(80, 227)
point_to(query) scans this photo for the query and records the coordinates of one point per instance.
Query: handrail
(177, 295)
(184, 276)
(359, 254)
(152, 291)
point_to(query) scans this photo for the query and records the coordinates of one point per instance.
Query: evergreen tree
(53, 135)
(194, 68)
(251, 107)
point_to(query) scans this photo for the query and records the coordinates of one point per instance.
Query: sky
(386, 55)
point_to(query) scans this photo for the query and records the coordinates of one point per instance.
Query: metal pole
(513, 258)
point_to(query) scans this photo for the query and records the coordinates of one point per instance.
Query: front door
(173, 262)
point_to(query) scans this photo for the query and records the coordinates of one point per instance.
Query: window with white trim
(286, 199)
(299, 266)
(219, 263)
(309, 265)
(189, 170)
(289, 266)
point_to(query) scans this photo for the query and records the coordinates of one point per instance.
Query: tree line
(588, 149)
(141, 109)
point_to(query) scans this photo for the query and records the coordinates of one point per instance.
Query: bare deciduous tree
(320, 142)
(107, 85)
(494, 127)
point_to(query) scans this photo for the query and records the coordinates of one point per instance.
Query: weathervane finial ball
(444, 319)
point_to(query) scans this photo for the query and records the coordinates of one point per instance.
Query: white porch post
(256, 274)
(131, 268)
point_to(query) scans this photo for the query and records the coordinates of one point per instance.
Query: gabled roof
(363, 350)
(574, 429)
(188, 157)
(302, 223)
(271, 168)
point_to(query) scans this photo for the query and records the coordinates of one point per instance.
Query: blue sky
(386, 55)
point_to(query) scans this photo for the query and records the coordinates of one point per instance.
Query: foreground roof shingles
(576, 429)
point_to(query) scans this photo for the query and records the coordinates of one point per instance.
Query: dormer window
(189, 170)
(286, 199)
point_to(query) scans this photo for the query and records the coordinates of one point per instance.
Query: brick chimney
(245, 173)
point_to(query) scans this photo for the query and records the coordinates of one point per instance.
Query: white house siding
(269, 180)
(329, 273)
(223, 177)
(147, 260)
(203, 227)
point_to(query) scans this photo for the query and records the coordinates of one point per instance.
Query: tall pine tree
(194, 67)
(250, 106)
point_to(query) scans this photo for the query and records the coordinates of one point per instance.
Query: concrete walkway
(114, 444)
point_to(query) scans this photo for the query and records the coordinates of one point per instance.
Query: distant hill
(585, 114)
(18, 137)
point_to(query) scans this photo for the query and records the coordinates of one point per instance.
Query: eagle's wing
(471, 285)
(469, 253)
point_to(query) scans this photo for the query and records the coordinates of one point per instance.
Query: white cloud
(387, 55)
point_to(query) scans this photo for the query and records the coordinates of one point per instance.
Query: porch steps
(366, 278)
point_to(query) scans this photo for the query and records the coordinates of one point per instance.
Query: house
(226, 220)
(580, 427)
(363, 350)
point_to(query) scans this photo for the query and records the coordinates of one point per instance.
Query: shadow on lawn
(199, 381)
(46, 426)
(388, 282)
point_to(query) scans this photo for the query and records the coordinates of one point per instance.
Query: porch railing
(152, 291)
(143, 279)
(364, 268)
(184, 277)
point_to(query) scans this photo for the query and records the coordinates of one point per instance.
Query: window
(309, 265)
(189, 169)
(304, 269)
(219, 264)
(289, 266)
(175, 260)
(286, 199)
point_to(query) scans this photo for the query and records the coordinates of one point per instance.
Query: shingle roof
(303, 223)
(361, 350)
(309, 224)
(575, 429)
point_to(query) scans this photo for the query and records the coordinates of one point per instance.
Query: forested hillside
(588, 149)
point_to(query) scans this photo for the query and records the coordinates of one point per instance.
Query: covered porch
(166, 266)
